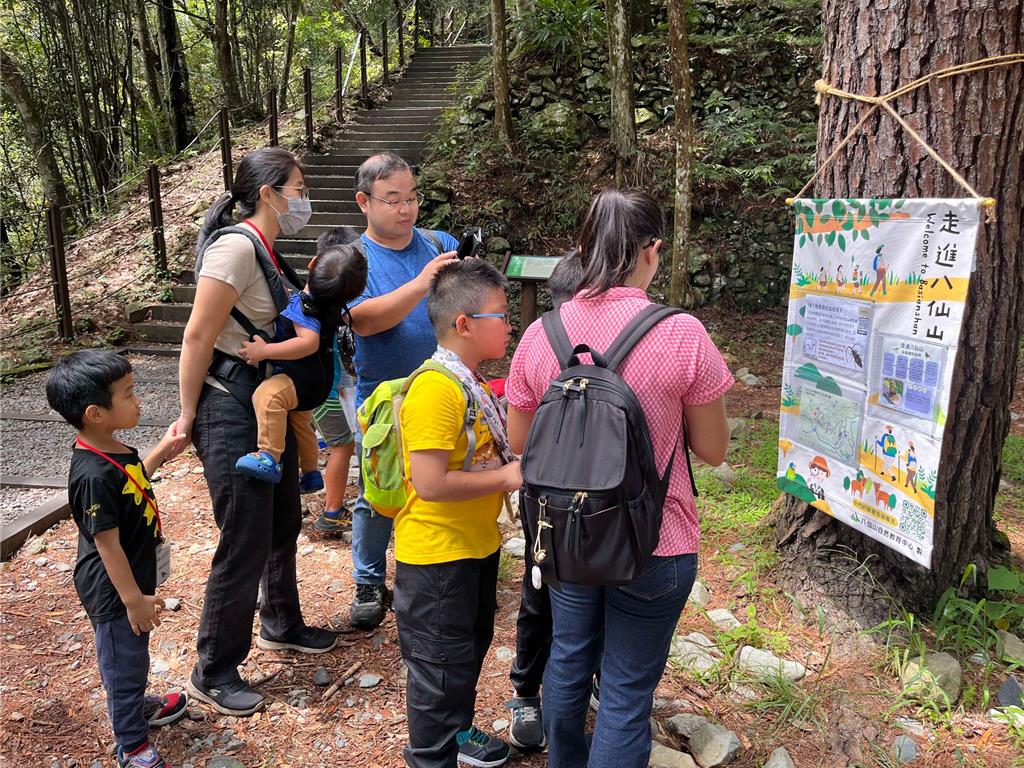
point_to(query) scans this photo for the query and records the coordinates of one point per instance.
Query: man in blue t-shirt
(393, 337)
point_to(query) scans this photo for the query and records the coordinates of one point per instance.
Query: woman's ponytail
(617, 226)
(269, 166)
(217, 217)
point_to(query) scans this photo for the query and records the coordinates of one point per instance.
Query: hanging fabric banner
(876, 299)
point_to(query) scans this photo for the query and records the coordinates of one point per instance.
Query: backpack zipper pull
(583, 408)
(539, 553)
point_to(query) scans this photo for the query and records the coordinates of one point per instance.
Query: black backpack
(592, 497)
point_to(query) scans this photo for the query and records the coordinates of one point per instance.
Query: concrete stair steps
(405, 125)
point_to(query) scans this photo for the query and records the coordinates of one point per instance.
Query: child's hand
(253, 351)
(143, 613)
(173, 442)
(512, 476)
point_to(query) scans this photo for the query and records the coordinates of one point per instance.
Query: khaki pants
(275, 401)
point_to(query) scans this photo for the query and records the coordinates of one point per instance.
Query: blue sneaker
(311, 482)
(482, 750)
(260, 465)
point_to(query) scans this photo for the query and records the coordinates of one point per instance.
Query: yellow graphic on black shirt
(135, 490)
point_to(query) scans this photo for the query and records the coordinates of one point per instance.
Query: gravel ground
(43, 449)
(15, 502)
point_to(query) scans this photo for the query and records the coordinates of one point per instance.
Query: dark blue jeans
(123, 660)
(634, 624)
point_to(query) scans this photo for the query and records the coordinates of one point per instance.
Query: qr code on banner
(914, 521)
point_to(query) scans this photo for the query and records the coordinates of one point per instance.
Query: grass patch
(740, 508)
(508, 567)
(785, 703)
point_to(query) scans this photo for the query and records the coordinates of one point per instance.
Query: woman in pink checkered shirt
(676, 371)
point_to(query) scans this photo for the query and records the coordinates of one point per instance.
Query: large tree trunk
(181, 110)
(680, 294)
(151, 70)
(225, 56)
(620, 71)
(35, 129)
(499, 60)
(291, 13)
(976, 122)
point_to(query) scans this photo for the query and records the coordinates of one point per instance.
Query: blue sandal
(260, 465)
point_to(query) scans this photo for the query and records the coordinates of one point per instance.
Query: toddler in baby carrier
(303, 368)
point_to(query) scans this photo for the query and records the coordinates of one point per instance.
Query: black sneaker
(369, 605)
(234, 698)
(306, 640)
(527, 728)
(480, 749)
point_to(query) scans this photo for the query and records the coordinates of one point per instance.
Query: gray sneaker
(482, 750)
(369, 606)
(527, 728)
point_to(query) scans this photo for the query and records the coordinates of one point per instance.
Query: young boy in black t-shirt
(122, 556)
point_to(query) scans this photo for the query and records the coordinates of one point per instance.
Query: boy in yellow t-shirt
(446, 536)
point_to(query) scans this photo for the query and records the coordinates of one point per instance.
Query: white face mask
(296, 217)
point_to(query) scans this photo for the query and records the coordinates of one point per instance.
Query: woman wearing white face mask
(240, 290)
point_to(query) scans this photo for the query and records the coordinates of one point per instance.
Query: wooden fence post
(272, 105)
(156, 219)
(307, 87)
(416, 26)
(225, 148)
(59, 271)
(384, 48)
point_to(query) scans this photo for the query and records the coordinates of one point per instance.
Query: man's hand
(513, 477)
(143, 613)
(431, 268)
(253, 351)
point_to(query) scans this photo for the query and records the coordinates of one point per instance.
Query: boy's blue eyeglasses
(502, 315)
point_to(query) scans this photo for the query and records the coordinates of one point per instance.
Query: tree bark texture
(499, 63)
(976, 122)
(151, 70)
(225, 55)
(181, 110)
(35, 129)
(291, 16)
(680, 294)
(620, 72)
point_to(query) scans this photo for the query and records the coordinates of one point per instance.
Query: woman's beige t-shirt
(232, 260)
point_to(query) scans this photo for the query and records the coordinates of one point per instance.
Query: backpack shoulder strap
(468, 417)
(557, 337)
(638, 327)
(433, 238)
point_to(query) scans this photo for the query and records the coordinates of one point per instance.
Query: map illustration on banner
(876, 299)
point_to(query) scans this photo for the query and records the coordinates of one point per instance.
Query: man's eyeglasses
(418, 200)
(303, 191)
(502, 315)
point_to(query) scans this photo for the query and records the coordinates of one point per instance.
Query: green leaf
(819, 205)
(1003, 579)
(842, 243)
(864, 235)
(803, 239)
(848, 223)
(838, 208)
(830, 238)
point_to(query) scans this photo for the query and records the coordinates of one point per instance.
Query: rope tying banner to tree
(876, 102)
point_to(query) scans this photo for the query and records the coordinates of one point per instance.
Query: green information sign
(531, 267)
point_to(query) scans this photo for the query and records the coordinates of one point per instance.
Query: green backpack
(381, 464)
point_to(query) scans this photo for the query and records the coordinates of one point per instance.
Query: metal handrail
(351, 61)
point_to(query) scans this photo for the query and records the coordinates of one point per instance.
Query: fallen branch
(341, 681)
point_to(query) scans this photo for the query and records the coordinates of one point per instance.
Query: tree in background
(620, 72)
(502, 107)
(974, 121)
(680, 294)
(181, 109)
(36, 129)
